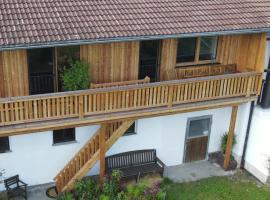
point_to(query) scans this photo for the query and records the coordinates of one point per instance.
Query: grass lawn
(237, 187)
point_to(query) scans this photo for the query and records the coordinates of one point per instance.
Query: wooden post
(230, 137)
(102, 151)
(170, 97)
(81, 113)
(249, 86)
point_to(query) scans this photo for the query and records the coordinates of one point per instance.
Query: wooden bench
(135, 163)
(15, 187)
(200, 71)
(119, 84)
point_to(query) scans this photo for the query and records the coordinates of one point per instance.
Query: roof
(36, 22)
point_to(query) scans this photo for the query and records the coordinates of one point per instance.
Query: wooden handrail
(78, 104)
(125, 87)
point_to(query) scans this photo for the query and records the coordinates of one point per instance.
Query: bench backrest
(131, 158)
(14, 180)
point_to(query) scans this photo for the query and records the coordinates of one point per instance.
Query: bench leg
(138, 177)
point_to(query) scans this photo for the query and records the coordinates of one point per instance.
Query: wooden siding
(13, 73)
(247, 51)
(112, 62)
(168, 57)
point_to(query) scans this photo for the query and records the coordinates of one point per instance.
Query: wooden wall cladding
(168, 57)
(13, 73)
(247, 51)
(112, 62)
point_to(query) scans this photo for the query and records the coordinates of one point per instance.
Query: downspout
(252, 105)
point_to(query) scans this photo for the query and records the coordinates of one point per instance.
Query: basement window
(196, 50)
(4, 144)
(63, 136)
(131, 130)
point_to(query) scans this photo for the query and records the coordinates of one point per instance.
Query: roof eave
(124, 39)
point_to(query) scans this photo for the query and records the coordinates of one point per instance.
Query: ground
(240, 186)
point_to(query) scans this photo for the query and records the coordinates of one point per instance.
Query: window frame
(132, 133)
(189, 120)
(8, 144)
(63, 142)
(197, 60)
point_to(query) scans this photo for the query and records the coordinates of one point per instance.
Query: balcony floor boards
(117, 116)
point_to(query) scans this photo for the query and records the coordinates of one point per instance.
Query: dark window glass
(149, 57)
(4, 144)
(186, 50)
(41, 76)
(64, 135)
(131, 130)
(199, 127)
(208, 48)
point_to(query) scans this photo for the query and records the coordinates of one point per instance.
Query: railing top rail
(127, 87)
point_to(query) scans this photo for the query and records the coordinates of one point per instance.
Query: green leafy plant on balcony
(75, 76)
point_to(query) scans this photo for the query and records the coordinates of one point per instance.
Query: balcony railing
(80, 104)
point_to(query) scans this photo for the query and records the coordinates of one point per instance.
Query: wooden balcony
(59, 110)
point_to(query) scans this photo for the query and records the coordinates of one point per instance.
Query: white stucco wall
(166, 134)
(258, 150)
(37, 161)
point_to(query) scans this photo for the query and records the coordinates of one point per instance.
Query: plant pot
(218, 157)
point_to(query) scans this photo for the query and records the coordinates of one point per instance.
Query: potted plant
(218, 157)
(221, 154)
(75, 76)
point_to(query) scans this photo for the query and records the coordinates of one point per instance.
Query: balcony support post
(102, 152)
(230, 137)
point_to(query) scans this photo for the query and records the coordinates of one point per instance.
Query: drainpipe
(242, 165)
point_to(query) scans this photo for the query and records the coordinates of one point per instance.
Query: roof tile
(34, 21)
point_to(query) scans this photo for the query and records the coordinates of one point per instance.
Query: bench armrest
(160, 162)
(23, 183)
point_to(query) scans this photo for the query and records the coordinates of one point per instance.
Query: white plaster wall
(35, 159)
(166, 134)
(258, 149)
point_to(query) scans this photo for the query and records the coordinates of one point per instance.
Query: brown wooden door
(198, 131)
(196, 148)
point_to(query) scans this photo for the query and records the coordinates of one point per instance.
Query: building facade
(171, 85)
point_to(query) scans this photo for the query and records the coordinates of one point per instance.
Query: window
(208, 48)
(131, 130)
(200, 50)
(199, 127)
(4, 144)
(186, 50)
(64, 135)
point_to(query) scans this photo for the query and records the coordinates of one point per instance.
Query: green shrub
(66, 196)
(75, 76)
(86, 189)
(111, 185)
(224, 140)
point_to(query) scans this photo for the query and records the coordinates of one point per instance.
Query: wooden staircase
(90, 153)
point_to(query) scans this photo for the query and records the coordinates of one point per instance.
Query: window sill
(8, 151)
(205, 63)
(129, 134)
(65, 143)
